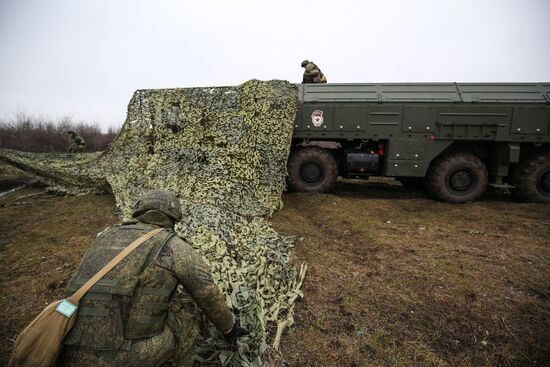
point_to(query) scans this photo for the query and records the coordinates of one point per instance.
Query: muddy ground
(394, 278)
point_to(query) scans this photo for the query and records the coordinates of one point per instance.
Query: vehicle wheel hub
(311, 172)
(461, 180)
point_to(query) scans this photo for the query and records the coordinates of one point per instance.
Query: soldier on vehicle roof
(76, 142)
(312, 73)
(137, 315)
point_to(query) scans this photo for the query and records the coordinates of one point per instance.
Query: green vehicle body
(409, 125)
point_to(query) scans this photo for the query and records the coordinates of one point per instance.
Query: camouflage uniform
(77, 143)
(137, 315)
(312, 73)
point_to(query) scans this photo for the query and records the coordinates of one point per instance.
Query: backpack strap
(75, 298)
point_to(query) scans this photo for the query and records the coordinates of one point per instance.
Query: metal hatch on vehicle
(419, 92)
(313, 93)
(387, 92)
(502, 93)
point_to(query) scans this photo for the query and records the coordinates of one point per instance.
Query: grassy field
(394, 278)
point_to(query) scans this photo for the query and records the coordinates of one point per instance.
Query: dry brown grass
(394, 278)
(41, 241)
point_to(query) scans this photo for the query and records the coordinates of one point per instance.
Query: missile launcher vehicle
(454, 139)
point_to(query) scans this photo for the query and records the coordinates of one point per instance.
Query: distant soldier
(312, 73)
(136, 315)
(77, 144)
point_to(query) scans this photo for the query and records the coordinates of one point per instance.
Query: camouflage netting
(62, 173)
(223, 151)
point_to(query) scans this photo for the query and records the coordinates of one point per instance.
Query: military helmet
(163, 201)
(304, 63)
(71, 132)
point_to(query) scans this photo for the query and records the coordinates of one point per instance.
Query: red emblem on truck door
(317, 118)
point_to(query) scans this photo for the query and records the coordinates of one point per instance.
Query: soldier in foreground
(135, 315)
(76, 143)
(312, 73)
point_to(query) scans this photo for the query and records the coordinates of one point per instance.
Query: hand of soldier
(235, 333)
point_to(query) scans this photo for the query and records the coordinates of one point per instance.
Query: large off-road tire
(312, 169)
(457, 178)
(532, 179)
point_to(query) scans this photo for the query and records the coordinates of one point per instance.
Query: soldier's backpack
(40, 343)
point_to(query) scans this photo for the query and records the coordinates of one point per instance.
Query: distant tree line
(40, 135)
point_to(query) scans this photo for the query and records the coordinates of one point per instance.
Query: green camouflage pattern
(223, 151)
(147, 352)
(98, 340)
(76, 143)
(312, 74)
(118, 308)
(62, 173)
(158, 200)
(78, 140)
(194, 275)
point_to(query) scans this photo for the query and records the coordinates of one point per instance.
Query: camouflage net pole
(223, 151)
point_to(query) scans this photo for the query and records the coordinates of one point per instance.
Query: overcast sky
(85, 58)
